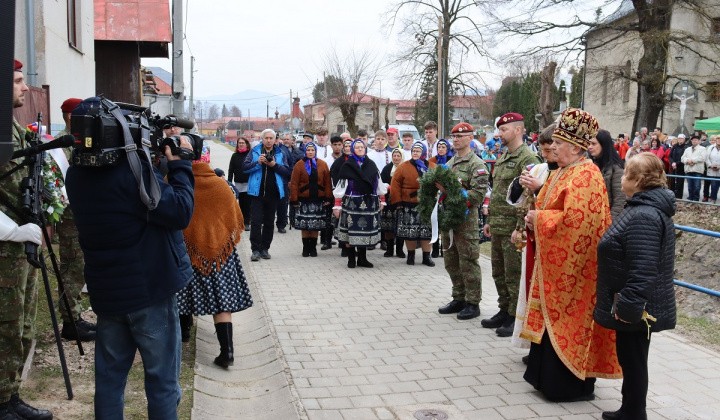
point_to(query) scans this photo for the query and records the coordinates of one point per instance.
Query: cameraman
(135, 263)
(18, 280)
(267, 166)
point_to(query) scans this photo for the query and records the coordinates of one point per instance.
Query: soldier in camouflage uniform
(72, 263)
(18, 280)
(461, 259)
(504, 220)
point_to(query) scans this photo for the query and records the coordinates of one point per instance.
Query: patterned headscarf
(441, 160)
(359, 159)
(476, 149)
(420, 163)
(402, 158)
(310, 163)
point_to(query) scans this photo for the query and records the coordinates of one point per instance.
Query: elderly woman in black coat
(636, 296)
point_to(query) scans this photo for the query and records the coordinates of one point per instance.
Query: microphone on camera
(177, 122)
(65, 141)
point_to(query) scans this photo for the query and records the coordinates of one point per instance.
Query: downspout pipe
(30, 37)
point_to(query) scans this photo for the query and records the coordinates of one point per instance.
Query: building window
(73, 23)
(712, 92)
(716, 26)
(604, 86)
(340, 128)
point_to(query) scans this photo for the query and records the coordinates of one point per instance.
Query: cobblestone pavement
(328, 342)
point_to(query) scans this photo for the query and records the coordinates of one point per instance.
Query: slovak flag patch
(530, 166)
(482, 172)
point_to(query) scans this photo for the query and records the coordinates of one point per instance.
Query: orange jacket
(300, 180)
(405, 185)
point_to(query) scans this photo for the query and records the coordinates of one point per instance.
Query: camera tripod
(31, 212)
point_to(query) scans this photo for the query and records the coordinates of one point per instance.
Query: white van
(406, 128)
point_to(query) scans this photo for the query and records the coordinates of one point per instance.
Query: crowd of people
(576, 203)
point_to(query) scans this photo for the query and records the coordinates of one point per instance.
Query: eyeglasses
(457, 136)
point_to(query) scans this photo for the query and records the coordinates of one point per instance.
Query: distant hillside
(253, 102)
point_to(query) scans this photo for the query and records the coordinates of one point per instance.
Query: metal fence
(693, 286)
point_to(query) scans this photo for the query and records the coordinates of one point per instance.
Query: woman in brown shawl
(218, 286)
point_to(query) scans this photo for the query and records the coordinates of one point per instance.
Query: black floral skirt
(311, 215)
(359, 223)
(224, 290)
(409, 226)
(387, 219)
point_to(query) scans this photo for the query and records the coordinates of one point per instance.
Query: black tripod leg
(61, 286)
(58, 341)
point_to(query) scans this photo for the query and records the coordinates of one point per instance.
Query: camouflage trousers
(18, 307)
(461, 263)
(72, 266)
(506, 271)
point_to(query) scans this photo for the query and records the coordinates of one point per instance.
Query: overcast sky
(277, 45)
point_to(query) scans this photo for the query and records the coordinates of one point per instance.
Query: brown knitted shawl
(216, 222)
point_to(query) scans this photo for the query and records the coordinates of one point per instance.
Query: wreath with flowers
(453, 205)
(54, 200)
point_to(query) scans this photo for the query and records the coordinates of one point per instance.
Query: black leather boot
(427, 260)
(410, 257)
(24, 411)
(436, 249)
(496, 321)
(351, 257)
(312, 246)
(453, 307)
(471, 311)
(186, 323)
(224, 335)
(343, 249)
(399, 248)
(306, 247)
(390, 247)
(362, 258)
(81, 330)
(507, 328)
(6, 412)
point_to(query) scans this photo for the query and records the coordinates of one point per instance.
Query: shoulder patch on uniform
(481, 171)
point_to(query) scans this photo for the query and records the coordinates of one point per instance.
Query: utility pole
(327, 114)
(440, 92)
(178, 85)
(292, 106)
(267, 110)
(192, 75)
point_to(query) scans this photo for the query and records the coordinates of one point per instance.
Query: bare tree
(353, 77)
(235, 111)
(213, 112)
(547, 94)
(419, 33)
(640, 26)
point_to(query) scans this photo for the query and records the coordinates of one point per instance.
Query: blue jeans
(154, 332)
(714, 185)
(693, 186)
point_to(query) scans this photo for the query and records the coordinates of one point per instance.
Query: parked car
(407, 128)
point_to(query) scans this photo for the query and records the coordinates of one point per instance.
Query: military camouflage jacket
(473, 176)
(502, 217)
(10, 186)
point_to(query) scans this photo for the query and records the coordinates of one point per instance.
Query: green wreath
(453, 208)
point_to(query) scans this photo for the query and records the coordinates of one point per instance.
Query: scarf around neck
(310, 163)
(212, 235)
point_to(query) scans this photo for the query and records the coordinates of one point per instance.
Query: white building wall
(69, 72)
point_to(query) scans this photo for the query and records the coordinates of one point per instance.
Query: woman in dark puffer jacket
(636, 295)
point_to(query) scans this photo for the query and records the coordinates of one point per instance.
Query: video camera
(100, 138)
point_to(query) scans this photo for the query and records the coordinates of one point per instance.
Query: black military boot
(88, 325)
(312, 246)
(436, 249)
(472, 310)
(399, 248)
(6, 412)
(186, 323)
(362, 258)
(24, 411)
(507, 328)
(427, 260)
(343, 249)
(325, 239)
(613, 415)
(496, 321)
(411, 257)
(390, 247)
(453, 307)
(351, 257)
(79, 330)
(306, 247)
(224, 334)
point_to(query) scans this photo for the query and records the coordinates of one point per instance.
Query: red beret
(70, 104)
(462, 128)
(18, 65)
(392, 130)
(508, 118)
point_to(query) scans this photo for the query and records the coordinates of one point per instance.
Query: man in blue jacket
(267, 165)
(135, 263)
